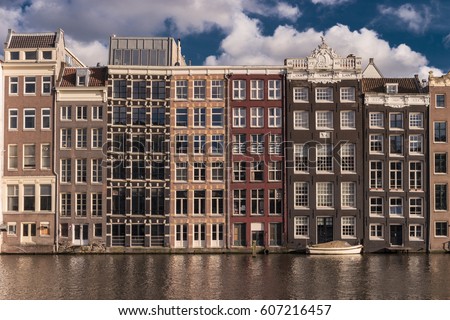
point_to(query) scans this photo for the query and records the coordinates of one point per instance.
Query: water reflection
(225, 277)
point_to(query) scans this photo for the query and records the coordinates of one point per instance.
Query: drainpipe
(54, 165)
(228, 161)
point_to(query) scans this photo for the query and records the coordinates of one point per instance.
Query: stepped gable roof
(37, 40)
(97, 77)
(405, 85)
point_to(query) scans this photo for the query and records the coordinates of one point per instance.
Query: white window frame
(416, 145)
(348, 195)
(396, 114)
(376, 141)
(301, 227)
(301, 158)
(66, 113)
(46, 114)
(274, 88)
(81, 138)
(416, 176)
(12, 116)
(374, 205)
(348, 120)
(239, 89)
(46, 80)
(45, 147)
(416, 232)
(181, 89)
(81, 171)
(29, 156)
(25, 116)
(29, 80)
(397, 205)
(414, 204)
(239, 117)
(347, 94)
(374, 230)
(301, 94)
(199, 89)
(217, 89)
(81, 113)
(324, 94)
(13, 156)
(96, 171)
(324, 195)
(324, 120)
(436, 100)
(348, 227)
(97, 113)
(301, 195)
(348, 158)
(324, 158)
(416, 120)
(14, 83)
(275, 117)
(97, 138)
(376, 120)
(301, 120)
(256, 89)
(397, 182)
(257, 117)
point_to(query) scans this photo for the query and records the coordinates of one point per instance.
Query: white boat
(335, 248)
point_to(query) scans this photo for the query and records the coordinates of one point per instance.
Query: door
(181, 239)
(396, 235)
(239, 234)
(28, 232)
(324, 229)
(80, 234)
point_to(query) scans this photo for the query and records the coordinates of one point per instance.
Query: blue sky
(404, 37)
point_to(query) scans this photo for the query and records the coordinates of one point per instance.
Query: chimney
(178, 52)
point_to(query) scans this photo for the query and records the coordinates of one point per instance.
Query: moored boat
(334, 248)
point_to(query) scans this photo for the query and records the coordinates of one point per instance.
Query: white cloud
(288, 12)
(330, 2)
(416, 20)
(90, 53)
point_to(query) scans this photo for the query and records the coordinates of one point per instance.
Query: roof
(97, 77)
(36, 40)
(405, 85)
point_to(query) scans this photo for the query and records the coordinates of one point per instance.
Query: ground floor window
(118, 235)
(441, 229)
(415, 232)
(348, 227)
(275, 234)
(301, 227)
(376, 231)
(239, 234)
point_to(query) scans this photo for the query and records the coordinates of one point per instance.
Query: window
(30, 85)
(416, 120)
(301, 94)
(376, 175)
(157, 172)
(257, 117)
(29, 156)
(13, 119)
(239, 117)
(181, 117)
(301, 161)
(199, 171)
(97, 113)
(12, 229)
(181, 202)
(324, 94)
(46, 197)
(257, 201)
(96, 204)
(199, 117)
(158, 90)
(348, 228)
(181, 144)
(46, 85)
(217, 171)
(416, 232)
(44, 229)
(348, 94)
(376, 120)
(13, 198)
(45, 156)
(13, 85)
(301, 120)
(181, 171)
(119, 115)
(14, 55)
(199, 235)
(239, 173)
(257, 171)
(217, 141)
(376, 143)
(118, 169)
(275, 201)
(440, 163)
(120, 89)
(158, 143)
(396, 144)
(216, 234)
(118, 201)
(275, 171)
(217, 202)
(396, 206)
(138, 201)
(181, 89)
(28, 198)
(396, 121)
(82, 112)
(29, 119)
(348, 195)
(66, 170)
(441, 229)
(97, 138)
(158, 199)
(239, 143)
(240, 201)
(139, 89)
(81, 172)
(324, 120)
(199, 89)
(257, 143)
(440, 197)
(97, 176)
(301, 195)
(274, 117)
(45, 119)
(440, 131)
(217, 89)
(138, 169)
(324, 160)
(257, 89)
(66, 113)
(81, 204)
(324, 195)
(416, 144)
(138, 143)
(239, 89)
(376, 206)
(31, 55)
(66, 138)
(348, 120)
(416, 207)
(217, 117)
(275, 144)
(391, 88)
(98, 230)
(139, 116)
(301, 227)
(199, 201)
(376, 231)
(348, 157)
(274, 89)
(81, 138)
(13, 157)
(440, 100)
(415, 175)
(396, 175)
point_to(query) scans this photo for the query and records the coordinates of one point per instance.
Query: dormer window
(14, 55)
(46, 55)
(82, 80)
(391, 88)
(82, 77)
(31, 55)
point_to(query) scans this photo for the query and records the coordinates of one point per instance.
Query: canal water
(283, 276)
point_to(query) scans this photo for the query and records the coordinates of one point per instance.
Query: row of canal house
(152, 154)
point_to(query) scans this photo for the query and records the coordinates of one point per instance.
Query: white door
(181, 236)
(28, 232)
(80, 234)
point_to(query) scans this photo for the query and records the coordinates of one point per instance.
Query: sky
(404, 37)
